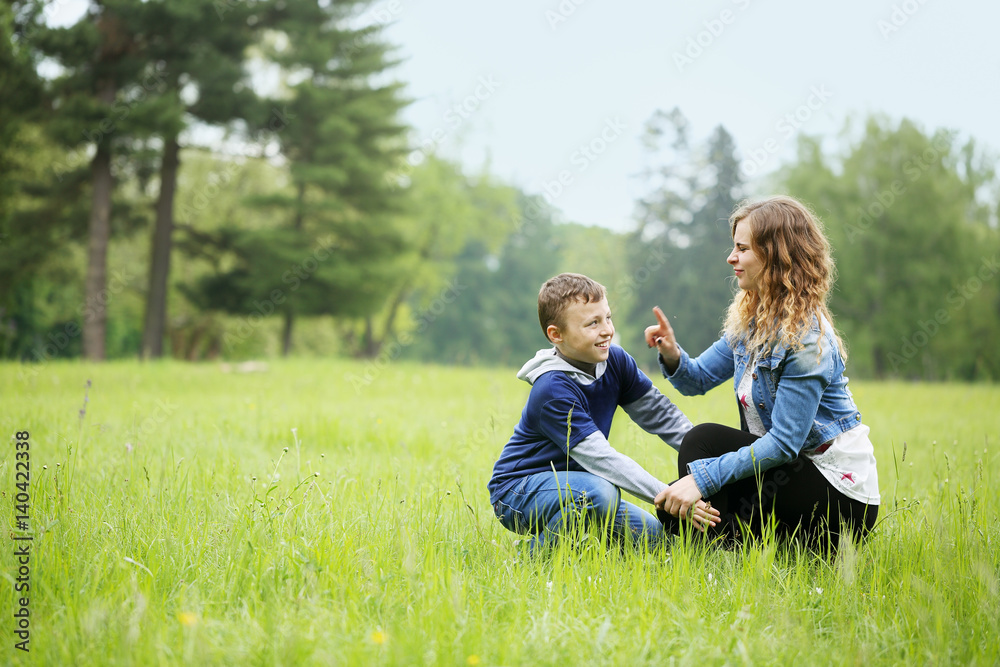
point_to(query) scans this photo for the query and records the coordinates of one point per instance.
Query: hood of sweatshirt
(547, 360)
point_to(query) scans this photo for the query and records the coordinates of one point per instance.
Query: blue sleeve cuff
(699, 471)
(680, 364)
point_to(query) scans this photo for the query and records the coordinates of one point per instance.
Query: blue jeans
(549, 503)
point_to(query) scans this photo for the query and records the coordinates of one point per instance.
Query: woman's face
(743, 259)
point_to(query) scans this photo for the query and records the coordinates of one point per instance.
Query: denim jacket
(801, 396)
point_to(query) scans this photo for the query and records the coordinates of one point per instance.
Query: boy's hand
(661, 335)
(682, 499)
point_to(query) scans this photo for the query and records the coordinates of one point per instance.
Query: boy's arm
(597, 456)
(657, 414)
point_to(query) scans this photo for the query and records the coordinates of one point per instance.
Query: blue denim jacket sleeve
(696, 376)
(799, 379)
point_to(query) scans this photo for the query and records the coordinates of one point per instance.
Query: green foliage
(384, 255)
(339, 129)
(33, 216)
(494, 317)
(200, 59)
(170, 526)
(679, 249)
(40, 218)
(912, 221)
(597, 252)
(211, 195)
(42, 239)
(107, 94)
(277, 270)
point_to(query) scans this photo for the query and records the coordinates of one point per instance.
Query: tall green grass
(193, 516)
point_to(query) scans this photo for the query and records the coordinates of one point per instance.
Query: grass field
(181, 514)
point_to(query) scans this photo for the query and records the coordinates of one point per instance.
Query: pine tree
(337, 125)
(200, 50)
(97, 101)
(683, 230)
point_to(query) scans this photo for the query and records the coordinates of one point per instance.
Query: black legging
(801, 500)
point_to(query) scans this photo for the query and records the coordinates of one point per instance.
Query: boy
(559, 456)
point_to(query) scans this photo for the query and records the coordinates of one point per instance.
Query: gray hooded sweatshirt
(654, 413)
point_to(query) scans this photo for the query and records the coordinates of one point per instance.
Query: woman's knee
(699, 434)
(709, 440)
(698, 444)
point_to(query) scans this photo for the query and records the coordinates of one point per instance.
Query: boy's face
(586, 332)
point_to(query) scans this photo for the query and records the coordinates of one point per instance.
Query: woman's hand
(682, 499)
(661, 335)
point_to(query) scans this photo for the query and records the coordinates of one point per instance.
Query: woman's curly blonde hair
(795, 279)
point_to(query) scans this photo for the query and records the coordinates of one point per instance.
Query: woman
(802, 456)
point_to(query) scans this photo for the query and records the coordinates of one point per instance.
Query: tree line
(233, 179)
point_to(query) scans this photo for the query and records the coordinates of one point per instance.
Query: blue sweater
(566, 406)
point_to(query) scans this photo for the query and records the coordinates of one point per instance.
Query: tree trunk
(297, 221)
(159, 266)
(95, 314)
(373, 346)
(368, 342)
(286, 334)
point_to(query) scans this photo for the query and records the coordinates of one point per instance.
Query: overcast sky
(558, 90)
(526, 84)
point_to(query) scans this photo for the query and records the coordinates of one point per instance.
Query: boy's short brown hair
(558, 292)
